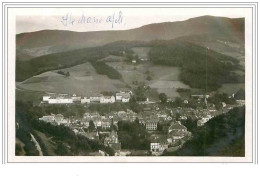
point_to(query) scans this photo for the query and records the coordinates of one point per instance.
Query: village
(164, 124)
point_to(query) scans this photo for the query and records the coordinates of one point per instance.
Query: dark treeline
(38, 65)
(68, 142)
(198, 64)
(104, 69)
(223, 135)
(133, 135)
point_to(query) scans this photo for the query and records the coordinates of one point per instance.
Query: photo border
(252, 5)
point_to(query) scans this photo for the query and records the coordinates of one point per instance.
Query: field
(83, 80)
(164, 79)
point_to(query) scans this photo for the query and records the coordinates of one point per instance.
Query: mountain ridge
(229, 28)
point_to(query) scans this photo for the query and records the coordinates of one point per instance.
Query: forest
(200, 66)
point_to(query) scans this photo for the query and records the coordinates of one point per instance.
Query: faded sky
(28, 20)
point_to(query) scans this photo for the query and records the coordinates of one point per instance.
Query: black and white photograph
(130, 84)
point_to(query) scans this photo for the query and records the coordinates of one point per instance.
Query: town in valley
(140, 92)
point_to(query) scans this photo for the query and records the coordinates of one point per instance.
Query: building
(85, 100)
(105, 123)
(176, 135)
(95, 98)
(97, 122)
(177, 127)
(151, 124)
(158, 143)
(76, 98)
(126, 98)
(55, 119)
(57, 99)
(107, 99)
(123, 96)
(162, 114)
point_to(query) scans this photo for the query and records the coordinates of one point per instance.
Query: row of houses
(53, 98)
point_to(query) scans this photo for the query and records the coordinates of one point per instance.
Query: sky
(97, 19)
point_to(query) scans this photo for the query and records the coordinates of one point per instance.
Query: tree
(67, 74)
(149, 78)
(178, 102)
(91, 127)
(163, 97)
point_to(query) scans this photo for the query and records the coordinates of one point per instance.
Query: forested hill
(223, 135)
(199, 64)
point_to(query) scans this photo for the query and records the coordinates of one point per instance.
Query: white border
(11, 109)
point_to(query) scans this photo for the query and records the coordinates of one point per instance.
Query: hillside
(223, 135)
(200, 67)
(191, 58)
(53, 41)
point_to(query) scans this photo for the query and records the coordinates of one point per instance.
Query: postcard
(126, 83)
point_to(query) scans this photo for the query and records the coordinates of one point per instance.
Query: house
(95, 98)
(97, 122)
(176, 135)
(162, 114)
(126, 98)
(105, 123)
(76, 98)
(158, 143)
(133, 61)
(177, 126)
(107, 99)
(123, 96)
(85, 100)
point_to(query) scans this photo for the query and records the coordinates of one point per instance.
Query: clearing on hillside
(83, 80)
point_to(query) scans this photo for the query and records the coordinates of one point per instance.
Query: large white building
(107, 99)
(58, 99)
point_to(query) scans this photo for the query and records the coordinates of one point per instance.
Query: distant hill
(53, 41)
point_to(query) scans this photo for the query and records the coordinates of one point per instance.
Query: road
(37, 145)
